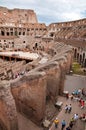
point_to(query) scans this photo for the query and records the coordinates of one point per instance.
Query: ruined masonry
(34, 59)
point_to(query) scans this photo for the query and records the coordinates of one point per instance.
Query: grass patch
(77, 69)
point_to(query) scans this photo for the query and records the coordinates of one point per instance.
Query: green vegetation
(77, 69)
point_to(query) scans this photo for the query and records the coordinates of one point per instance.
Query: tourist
(69, 108)
(72, 120)
(80, 101)
(82, 104)
(71, 97)
(67, 95)
(83, 117)
(66, 108)
(71, 124)
(76, 117)
(56, 122)
(68, 128)
(63, 124)
(79, 92)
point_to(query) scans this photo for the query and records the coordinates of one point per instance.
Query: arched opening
(2, 33)
(36, 44)
(11, 33)
(23, 33)
(19, 33)
(51, 34)
(80, 59)
(75, 53)
(7, 33)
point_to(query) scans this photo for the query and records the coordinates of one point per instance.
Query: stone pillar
(13, 32)
(69, 60)
(62, 77)
(85, 63)
(0, 31)
(5, 32)
(83, 59)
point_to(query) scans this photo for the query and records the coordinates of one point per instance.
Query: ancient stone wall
(27, 90)
(17, 16)
(67, 24)
(8, 113)
(30, 94)
(34, 90)
(53, 73)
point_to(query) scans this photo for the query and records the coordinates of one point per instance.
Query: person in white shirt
(76, 117)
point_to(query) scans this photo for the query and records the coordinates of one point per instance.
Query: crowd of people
(63, 123)
(76, 96)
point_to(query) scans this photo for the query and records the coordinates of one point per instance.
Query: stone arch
(2, 33)
(36, 45)
(23, 33)
(11, 33)
(51, 34)
(7, 33)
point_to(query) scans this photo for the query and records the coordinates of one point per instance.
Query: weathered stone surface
(30, 96)
(64, 64)
(17, 16)
(39, 81)
(8, 114)
(52, 71)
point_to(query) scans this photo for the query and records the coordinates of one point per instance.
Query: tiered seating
(72, 32)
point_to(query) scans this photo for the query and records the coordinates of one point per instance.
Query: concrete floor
(79, 125)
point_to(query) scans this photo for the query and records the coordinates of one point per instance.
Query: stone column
(0, 31)
(85, 63)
